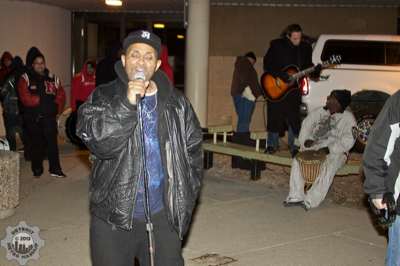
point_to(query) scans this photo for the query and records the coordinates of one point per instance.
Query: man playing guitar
(289, 50)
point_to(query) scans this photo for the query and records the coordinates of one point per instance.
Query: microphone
(139, 75)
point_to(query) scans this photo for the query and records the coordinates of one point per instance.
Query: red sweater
(165, 66)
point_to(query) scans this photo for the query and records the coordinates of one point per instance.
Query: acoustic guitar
(277, 89)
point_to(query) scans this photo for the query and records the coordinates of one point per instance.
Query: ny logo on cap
(146, 35)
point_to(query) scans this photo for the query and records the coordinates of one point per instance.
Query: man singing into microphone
(108, 124)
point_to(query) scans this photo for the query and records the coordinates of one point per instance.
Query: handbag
(4, 146)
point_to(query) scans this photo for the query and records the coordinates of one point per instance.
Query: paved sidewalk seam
(336, 234)
(339, 234)
(224, 202)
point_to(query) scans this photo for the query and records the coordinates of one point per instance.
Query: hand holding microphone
(137, 86)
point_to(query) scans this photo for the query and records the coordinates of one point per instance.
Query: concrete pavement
(243, 222)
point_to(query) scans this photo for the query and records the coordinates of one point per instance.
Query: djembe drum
(310, 165)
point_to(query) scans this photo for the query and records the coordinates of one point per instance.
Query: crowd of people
(32, 99)
(126, 108)
(327, 130)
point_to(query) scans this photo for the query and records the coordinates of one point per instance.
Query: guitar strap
(298, 53)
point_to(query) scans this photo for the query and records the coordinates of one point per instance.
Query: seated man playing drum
(325, 140)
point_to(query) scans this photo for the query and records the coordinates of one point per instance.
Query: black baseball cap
(143, 36)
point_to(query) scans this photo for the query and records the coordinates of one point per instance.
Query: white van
(369, 68)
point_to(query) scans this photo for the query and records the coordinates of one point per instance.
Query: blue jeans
(393, 249)
(244, 110)
(273, 139)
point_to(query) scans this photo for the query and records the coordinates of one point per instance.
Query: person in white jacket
(328, 129)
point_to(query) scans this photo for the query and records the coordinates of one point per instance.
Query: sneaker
(37, 174)
(293, 203)
(58, 174)
(305, 207)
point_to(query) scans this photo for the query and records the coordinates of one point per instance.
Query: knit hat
(32, 54)
(143, 36)
(17, 63)
(343, 97)
(5, 56)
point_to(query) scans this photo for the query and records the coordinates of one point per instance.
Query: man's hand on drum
(324, 150)
(308, 143)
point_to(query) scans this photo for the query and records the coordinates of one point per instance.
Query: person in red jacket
(5, 66)
(43, 99)
(83, 84)
(165, 66)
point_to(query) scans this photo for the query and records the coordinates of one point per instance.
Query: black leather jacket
(107, 123)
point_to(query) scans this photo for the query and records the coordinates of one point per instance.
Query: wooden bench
(256, 155)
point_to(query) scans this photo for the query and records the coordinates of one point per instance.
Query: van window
(363, 52)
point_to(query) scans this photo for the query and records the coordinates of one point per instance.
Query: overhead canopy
(176, 6)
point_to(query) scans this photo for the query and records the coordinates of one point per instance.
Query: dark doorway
(94, 32)
(398, 25)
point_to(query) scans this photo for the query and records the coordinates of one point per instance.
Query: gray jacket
(107, 123)
(381, 161)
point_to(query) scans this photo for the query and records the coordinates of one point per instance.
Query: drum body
(70, 127)
(70, 130)
(310, 163)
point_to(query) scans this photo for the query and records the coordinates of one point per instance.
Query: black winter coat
(9, 96)
(107, 123)
(283, 53)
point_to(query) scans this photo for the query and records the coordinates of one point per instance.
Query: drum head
(311, 156)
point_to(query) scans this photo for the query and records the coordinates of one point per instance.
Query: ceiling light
(180, 36)
(159, 25)
(114, 2)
